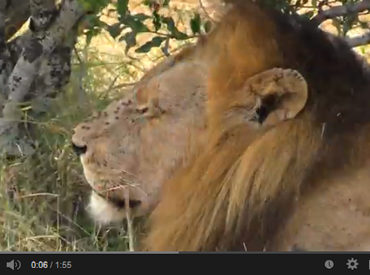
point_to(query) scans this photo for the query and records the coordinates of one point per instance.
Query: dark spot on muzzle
(79, 150)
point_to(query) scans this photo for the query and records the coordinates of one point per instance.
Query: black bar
(227, 263)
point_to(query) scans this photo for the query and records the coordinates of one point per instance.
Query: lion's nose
(79, 150)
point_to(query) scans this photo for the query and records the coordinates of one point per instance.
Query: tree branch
(43, 64)
(54, 72)
(205, 10)
(358, 40)
(341, 11)
(27, 66)
(5, 66)
(16, 14)
(214, 9)
(42, 14)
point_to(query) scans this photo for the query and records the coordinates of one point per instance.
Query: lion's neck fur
(229, 176)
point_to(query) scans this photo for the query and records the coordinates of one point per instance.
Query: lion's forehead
(180, 88)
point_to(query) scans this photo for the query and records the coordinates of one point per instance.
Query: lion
(257, 138)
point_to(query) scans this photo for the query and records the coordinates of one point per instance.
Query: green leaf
(155, 42)
(363, 50)
(348, 22)
(92, 21)
(141, 16)
(135, 24)
(165, 3)
(170, 23)
(195, 24)
(92, 27)
(175, 33)
(146, 2)
(130, 39)
(93, 6)
(308, 14)
(90, 34)
(156, 20)
(114, 30)
(363, 25)
(122, 8)
(207, 26)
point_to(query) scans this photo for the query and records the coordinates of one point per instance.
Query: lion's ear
(281, 95)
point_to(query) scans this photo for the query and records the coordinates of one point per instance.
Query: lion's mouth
(119, 203)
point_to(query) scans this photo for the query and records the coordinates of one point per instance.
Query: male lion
(258, 137)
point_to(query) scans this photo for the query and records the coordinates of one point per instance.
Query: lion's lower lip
(120, 203)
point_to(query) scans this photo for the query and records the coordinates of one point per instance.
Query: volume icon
(14, 264)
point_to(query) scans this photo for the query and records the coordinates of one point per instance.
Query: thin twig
(341, 11)
(205, 11)
(124, 85)
(358, 40)
(130, 232)
(4, 53)
(77, 55)
(38, 194)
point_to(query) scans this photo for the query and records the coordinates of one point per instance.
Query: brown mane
(239, 188)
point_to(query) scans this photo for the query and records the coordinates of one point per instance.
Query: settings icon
(352, 263)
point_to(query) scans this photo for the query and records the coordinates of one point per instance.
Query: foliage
(163, 28)
(130, 25)
(309, 9)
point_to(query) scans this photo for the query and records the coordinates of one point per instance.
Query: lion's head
(131, 148)
(222, 140)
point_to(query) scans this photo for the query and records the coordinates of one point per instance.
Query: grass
(43, 197)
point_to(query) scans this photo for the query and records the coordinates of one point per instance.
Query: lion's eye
(142, 110)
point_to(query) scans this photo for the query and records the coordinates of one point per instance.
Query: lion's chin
(105, 212)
